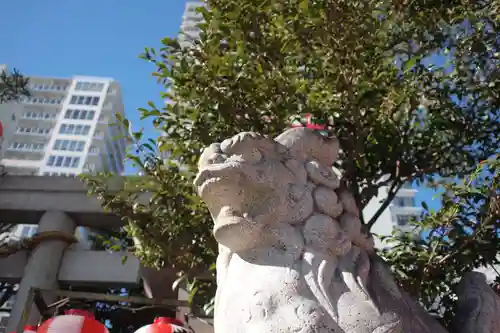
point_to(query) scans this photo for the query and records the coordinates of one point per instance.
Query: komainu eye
(216, 158)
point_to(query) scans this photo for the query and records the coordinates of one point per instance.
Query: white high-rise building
(66, 127)
(190, 20)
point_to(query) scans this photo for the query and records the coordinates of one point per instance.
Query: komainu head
(251, 182)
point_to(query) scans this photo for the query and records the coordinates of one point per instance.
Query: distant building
(396, 216)
(64, 128)
(190, 20)
(189, 32)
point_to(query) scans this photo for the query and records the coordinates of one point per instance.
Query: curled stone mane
(292, 256)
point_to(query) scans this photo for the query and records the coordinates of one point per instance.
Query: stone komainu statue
(292, 257)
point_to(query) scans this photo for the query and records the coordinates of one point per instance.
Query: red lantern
(164, 325)
(29, 329)
(73, 321)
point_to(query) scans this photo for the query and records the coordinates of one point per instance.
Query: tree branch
(392, 193)
(370, 191)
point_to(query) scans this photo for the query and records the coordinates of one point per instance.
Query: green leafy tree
(463, 235)
(410, 88)
(12, 86)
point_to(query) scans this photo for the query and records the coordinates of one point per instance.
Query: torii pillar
(42, 268)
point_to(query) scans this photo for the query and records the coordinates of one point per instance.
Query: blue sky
(95, 37)
(104, 38)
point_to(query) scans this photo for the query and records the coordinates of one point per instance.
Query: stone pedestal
(43, 266)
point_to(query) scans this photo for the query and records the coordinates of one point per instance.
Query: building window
(74, 129)
(404, 201)
(62, 129)
(51, 160)
(41, 100)
(64, 145)
(28, 231)
(69, 145)
(59, 161)
(63, 161)
(89, 167)
(75, 162)
(26, 146)
(89, 86)
(38, 146)
(86, 130)
(39, 115)
(67, 162)
(403, 220)
(79, 114)
(78, 129)
(84, 100)
(80, 145)
(33, 130)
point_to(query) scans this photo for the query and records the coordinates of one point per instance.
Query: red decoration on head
(309, 123)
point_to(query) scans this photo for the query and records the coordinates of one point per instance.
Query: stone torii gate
(58, 205)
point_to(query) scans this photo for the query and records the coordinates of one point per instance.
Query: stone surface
(478, 306)
(42, 267)
(292, 256)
